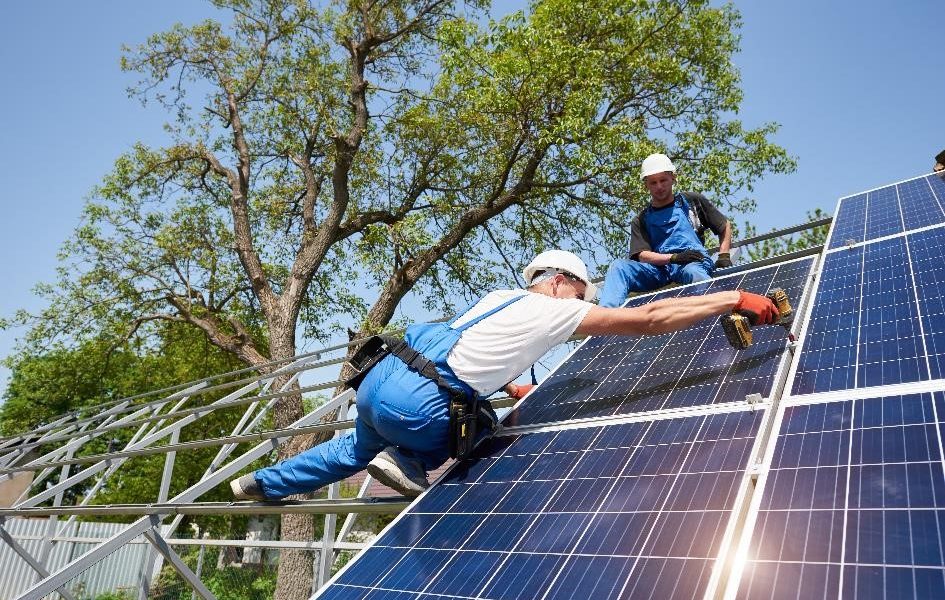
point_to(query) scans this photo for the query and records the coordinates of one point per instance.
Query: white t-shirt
(499, 348)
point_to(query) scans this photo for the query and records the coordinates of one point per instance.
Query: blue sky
(856, 86)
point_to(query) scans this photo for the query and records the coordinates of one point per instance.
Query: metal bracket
(753, 399)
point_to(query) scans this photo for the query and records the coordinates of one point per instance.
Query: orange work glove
(756, 308)
(518, 391)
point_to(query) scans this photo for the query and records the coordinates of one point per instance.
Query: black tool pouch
(462, 428)
(467, 419)
(369, 354)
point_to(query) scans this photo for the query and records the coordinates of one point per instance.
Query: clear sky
(856, 85)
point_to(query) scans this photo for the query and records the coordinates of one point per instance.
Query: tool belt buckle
(371, 352)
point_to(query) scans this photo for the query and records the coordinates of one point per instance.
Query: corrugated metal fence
(120, 571)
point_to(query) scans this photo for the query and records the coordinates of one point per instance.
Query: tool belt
(467, 413)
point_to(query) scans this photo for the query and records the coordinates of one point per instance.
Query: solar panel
(889, 210)
(631, 509)
(853, 487)
(614, 375)
(878, 317)
(853, 503)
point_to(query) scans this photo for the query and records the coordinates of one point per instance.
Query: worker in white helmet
(415, 400)
(667, 238)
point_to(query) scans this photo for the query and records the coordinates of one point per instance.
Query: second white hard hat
(564, 261)
(656, 163)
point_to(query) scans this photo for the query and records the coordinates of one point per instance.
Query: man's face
(660, 186)
(566, 287)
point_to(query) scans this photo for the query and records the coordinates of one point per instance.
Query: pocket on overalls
(397, 415)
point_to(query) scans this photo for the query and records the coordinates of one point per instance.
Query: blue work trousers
(396, 407)
(625, 276)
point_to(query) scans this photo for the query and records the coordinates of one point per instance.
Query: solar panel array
(852, 502)
(602, 511)
(905, 206)
(637, 469)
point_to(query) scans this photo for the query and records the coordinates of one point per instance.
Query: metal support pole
(153, 562)
(48, 542)
(200, 554)
(153, 534)
(327, 553)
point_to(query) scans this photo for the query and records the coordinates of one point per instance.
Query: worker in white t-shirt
(403, 429)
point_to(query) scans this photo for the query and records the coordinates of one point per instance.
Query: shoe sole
(405, 486)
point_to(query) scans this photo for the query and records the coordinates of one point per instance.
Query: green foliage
(119, 595)
(481, 143)
(232, 582)
(782, 245)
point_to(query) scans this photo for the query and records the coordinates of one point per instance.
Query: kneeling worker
(667, 238)
(403, 427)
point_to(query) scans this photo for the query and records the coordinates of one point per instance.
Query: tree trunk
(294, 581)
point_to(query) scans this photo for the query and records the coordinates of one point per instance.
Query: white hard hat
(656, 163)
(564, 262)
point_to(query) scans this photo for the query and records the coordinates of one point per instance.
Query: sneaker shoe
(398, 472)
(247, 488)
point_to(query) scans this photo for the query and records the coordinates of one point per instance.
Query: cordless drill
(738, 330)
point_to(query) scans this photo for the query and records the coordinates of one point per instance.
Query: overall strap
(693, 212)
(472, 322)
(468, 308)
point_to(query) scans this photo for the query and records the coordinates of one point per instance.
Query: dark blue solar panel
(890, 210)
(854, 503)
(882, 213)
(926, 249)
(632, 510)
(850, 222)
(919, 204)
(864, 328)
(620, 375)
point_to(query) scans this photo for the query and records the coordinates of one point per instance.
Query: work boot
(247, 488)
(398, 472)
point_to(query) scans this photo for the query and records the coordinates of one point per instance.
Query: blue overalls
(396, 407)
(670, 231)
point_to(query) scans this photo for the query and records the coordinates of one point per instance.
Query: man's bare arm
(662, 316)
(725, 241)
(654, 258)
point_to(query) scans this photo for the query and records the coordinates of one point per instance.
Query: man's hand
(723, 261)
(756, 308)
(685, 257)
(518, 391)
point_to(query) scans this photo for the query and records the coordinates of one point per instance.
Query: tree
(809, 238)
(345, 156)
